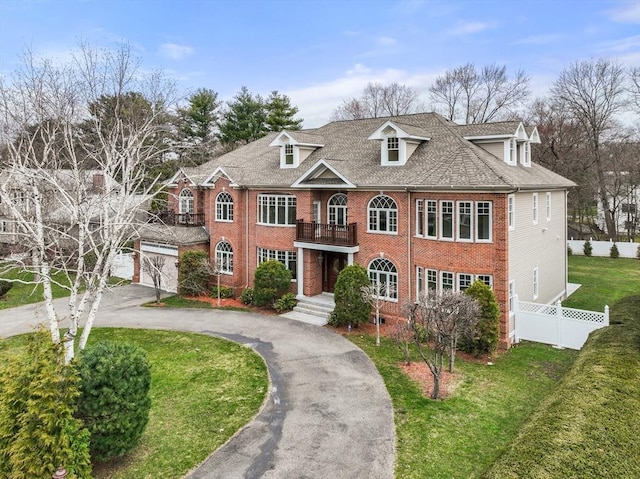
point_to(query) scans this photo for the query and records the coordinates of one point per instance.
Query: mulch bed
(231, 303)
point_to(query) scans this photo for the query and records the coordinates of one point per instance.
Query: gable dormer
(295, 147)
(513, 146)
(397, 142)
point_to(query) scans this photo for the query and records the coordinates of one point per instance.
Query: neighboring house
(420, 202)
(624, 198)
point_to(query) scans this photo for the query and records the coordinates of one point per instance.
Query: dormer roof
(321, 175)
(500, 131)
(299, 138)
(402, 130)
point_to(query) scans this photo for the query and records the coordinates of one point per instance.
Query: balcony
(174, 219)
(338, 235)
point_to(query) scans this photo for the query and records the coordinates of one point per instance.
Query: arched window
(383, 214)
(224, 257)
(224, 207)
(338, 209)
(186, 201)
(384, 272)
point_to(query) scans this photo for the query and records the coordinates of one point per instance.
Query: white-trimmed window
(288, 155)
(224, 207)
(277, 210)
(511, 211)
(382, 271)
(419, 217)
(338, 209)
(484, 221)
(432, 279)
(419, 281)
(185, 204)
(393, 149)
(5, 226)
(535, 283)
(288, 258)
(224, 257)
(464, 281)
(486, 279)
(447, 280)
(465, 221)
(446, 220)
(383, 215)
(432, 219)
(534, 207)
(512, 293)
(513, 152)
(547, 206)
(526, 158)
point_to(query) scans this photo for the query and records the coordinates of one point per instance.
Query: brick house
(419, 201)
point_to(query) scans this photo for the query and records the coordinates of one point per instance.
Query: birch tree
(62, 212)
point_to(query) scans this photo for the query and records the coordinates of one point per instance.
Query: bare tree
(442, 319)
(470, 95)
(379, 100)
(153, 267)
(68, 213)
(374, 294)
(634, 87)
(593, 93)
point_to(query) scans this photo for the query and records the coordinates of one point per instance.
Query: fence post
(559, 324)
(606, 315)
(515, 307)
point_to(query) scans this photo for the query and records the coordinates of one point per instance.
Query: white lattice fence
(553, 324)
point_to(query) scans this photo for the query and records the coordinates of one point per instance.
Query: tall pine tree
(199, 118)
(244, 119)
(280, 113)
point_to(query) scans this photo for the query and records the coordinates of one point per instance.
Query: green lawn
(203, 390)
(604, 281)
(462, 436)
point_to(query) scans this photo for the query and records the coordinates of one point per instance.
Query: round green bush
(286, 302)
(613, 252)
(488, 329)
(271, 280)
(587, 249)
(114, 398)
(351, 307)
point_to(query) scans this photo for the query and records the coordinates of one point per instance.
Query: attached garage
(169, 270)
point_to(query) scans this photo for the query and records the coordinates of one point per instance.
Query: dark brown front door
(333, 264)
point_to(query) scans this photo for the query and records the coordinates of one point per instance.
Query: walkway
(328, 414)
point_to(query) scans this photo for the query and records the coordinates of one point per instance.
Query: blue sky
(320, 52)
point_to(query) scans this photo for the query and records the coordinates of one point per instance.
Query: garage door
(169, 271)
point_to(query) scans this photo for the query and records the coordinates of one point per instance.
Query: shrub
(194, 273)
(5, 286)
(638, 253)
(587, 249)
(351, 307)
(247, 296)
(286, 302)
(38, 431)
(613, 252)
(569, 251)
(225, 292)
(114, 401)
(271, 280)
(488, 329)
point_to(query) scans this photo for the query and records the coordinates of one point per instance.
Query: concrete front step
(305, 318)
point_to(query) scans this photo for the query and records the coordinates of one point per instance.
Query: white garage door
(169, 270)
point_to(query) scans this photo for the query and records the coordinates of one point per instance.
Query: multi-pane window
(432, 279)
(535, 283)
(186, 201)
(446, 220)
(384, 272)
(419, 281)
(513, 152)
(483, 221)
(464, 281)
(548, 206)
(287, 258)
(432, 219)
(224, 207)
(527, 154)
(288, 154)
(534, 207)
(276, 210)
(511, 211)
(5, 227)
(420, 217)
(392, 149)
(383, 214)
(512, 294)
(338, 209)
(465, 218)
(224, 257)
(446, 280)
(486, 279)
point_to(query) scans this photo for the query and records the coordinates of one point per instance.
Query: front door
(333, 263)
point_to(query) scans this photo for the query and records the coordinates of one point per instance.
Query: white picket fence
(603, 248)
(554, 324)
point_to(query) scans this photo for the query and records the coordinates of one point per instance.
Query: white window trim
(511, 212)
(426, 223)
(287, 207)
(283, 156)
(512, 293)
(476, 236)
(185, 201)
(389, 214)
(458, 216)
(421, 216)
(453, 279)
(229, 209)
(459, 278)
(548, 206)
(228, 254)
(285, 257)
(389, 274)
(536, 283)
(441, 220)
(534, 207)
(420, 278)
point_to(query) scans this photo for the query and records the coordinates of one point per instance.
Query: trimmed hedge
(589, 427)
(350, 306)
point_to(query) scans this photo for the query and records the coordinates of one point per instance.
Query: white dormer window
(393, 149)
(526, 160)
(513, 152)
(288, 155)
(398, 142)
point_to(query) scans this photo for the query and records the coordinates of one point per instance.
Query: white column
(349, 259)
(300, 272)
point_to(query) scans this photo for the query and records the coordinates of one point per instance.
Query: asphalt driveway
(328, 414)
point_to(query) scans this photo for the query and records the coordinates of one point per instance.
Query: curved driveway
(328, 414)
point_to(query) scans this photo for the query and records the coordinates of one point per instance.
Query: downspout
(410, 263)
(246, 238)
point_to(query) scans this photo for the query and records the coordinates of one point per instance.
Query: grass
(604, 281)
(203, 390)
(462, 436)
(588, 428)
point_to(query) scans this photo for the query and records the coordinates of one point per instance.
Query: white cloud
(387, 41)
(628, 44)
(543, 39)
(625, 12)
(469, 28)
(173, 51)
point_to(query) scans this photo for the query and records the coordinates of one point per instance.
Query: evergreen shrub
(271, 280)
(485, 341)
(587, 249)
(5, 287)
(194, 273)
(114, 402)
(286, 302)
(247, 296)
(350, 306)
(225, 292)
(613, 252)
